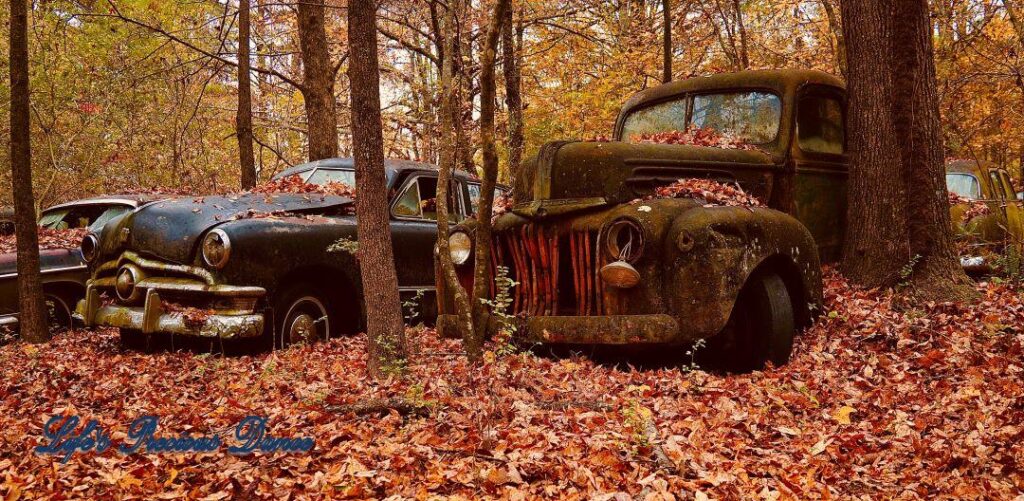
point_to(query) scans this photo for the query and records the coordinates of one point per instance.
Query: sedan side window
(419, 200)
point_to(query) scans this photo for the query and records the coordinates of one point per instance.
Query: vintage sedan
(280, 266)
(63, 270)
(986, 214)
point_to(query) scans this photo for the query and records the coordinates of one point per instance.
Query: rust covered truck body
(581, 208)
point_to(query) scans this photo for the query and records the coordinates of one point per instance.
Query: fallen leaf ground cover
(881, 400)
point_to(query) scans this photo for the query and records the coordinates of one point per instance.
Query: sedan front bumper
(156, 316)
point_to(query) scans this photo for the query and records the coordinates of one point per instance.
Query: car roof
(776, 80)
(969, 166)
(391, 167)
(133, 200)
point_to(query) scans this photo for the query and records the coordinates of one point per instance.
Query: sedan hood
(170, 229)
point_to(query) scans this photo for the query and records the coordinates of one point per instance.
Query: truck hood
(569, 175)
(170, 229)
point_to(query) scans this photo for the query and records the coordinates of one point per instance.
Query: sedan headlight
(460, 246)
(90, 248)
(216, 248)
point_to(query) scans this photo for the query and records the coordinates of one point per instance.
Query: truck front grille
(556, 270)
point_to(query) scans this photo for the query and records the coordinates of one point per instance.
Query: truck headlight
(460, 246)
(216, 248)
(624, 240)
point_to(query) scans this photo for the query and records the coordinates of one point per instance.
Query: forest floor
(880, 400)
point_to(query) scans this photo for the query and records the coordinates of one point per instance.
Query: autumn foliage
(48, 239)
(296, 185)
(713, 193)
(696, 136)
(881, 399)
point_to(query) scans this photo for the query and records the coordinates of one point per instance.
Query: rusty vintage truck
(594, 266)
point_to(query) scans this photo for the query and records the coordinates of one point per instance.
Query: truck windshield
(964, 185)
(753, 117)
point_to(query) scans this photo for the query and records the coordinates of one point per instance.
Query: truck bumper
(607, 329)
(152, 318)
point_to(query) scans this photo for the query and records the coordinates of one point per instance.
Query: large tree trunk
(318, 83)
(511, 44)
(666, 41)
(32, 314)
(385, 327)
(243, 118)
(899, 228)
(918, 125)
(447, 161)
(876, 246)
(482, 267)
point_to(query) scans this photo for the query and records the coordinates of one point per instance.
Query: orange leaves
(295, 184)
(696, 136)
(881, 399)
(48, 239)
(712, 192)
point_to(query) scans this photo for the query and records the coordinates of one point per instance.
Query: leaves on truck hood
(713, 193)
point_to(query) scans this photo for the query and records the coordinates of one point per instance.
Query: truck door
(1010, 206)
(819, 157)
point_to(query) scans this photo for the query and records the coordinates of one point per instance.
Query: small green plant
(692, 353)
(344, 244)
(638, 420)
(499, 308)
(907, 270)
(411, 307)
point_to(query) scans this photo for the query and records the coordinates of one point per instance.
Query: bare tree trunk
(385, 327)
(876, 246)
(32, 314)
(511, 43)
(482, 268)
(741, 26)
(448, 159)
(243, 118)
(666, 41)
(318, 81)
(937, 273)
(835, 26)
(1017, 21)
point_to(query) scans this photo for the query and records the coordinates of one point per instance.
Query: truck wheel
(303, 313)
(134, 339)
(762, 325)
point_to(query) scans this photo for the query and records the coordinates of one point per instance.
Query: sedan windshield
(752, 117)
(92, 217)
(964, 185)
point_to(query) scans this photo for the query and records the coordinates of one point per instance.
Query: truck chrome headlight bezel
(460, 247)
(216, 248)
(624, 239)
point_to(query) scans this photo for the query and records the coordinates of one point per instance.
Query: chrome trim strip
(196, 271)
(48, 270)
(11, 319)
(417, 289)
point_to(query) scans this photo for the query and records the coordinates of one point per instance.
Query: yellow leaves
(170, 478)
(842, 415)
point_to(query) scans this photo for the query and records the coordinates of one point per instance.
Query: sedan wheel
(58, 312)
(306, 316)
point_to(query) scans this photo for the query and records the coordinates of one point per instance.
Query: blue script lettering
(60, 431)
(142, 433)
(251, 431)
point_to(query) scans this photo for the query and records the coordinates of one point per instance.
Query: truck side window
(998, 190)
(819, 125)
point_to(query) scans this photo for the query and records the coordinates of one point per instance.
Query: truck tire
(761, 327)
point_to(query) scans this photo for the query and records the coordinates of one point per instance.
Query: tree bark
(742, 27)
(482, 266)
(447, 161)
(318, 81)
(32, 309)
(511, 43)
(899, 229)
(937, 272)
(666, 41)
(876, 245)
(243, 118)
(385, 327)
